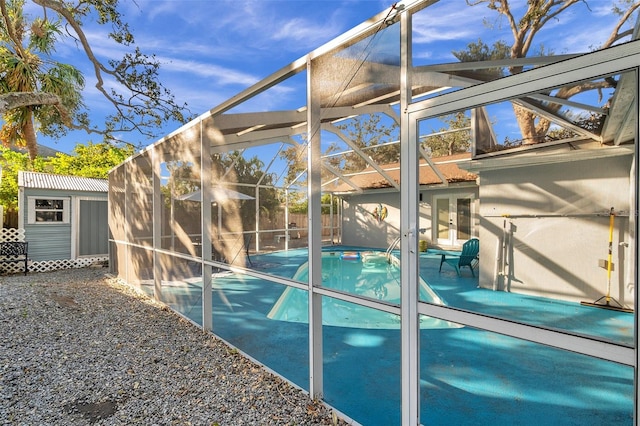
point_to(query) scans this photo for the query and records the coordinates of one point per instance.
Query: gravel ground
(79, 348)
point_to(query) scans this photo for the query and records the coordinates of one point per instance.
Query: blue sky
(212, 50)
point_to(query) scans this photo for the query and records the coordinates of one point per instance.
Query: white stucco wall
(558, 217)
(361, 228)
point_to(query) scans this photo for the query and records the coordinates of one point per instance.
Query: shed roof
(60, 182)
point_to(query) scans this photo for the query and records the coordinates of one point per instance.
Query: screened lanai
(305, 221)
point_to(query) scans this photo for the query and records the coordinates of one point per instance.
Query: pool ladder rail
(395, 243)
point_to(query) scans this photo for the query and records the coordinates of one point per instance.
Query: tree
(92, 160)
(364, 131)
(10, 163)
(296, 159)
(445, 142)
(368, 131)
(233, 168)
(302, 206)
(24, 71)
(538, 13)
(38, 92)
(480, 51)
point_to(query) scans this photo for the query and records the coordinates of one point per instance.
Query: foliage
(28, 66)
(91, 160)
(296, 159)
(10, 163)
(444, 142)
(302, 206)
(364, 132)
(232, 167)
(480, 51)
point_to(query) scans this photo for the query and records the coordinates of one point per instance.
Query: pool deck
(468, 376)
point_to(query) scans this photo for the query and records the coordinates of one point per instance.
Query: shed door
(93, 228)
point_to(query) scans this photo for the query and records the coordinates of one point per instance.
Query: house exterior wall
(427, 210)
(51, 241)
(555, 214)
(360, 227)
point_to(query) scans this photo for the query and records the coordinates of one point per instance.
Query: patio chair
(468, 256)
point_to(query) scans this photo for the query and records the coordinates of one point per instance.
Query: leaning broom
(606, 301)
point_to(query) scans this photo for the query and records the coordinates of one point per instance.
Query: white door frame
(452, 238)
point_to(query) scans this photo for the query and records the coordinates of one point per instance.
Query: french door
(453, 219)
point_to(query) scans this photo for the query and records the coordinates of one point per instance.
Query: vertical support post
(315, 236)
(127, 221)
(219, 227)
(286, 220)
(205, 229)
(409, 172)
(172, 218)
(157, 224)
(256, 238)
(635, 245)
(340, 220)
(331, 213)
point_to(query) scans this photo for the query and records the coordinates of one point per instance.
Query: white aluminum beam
(497, 63)
(584, 67)
(333, 129)
(556, 119)
(409, 220)
(206, 168)
(314, 226)
(157, 225)
(342, 177)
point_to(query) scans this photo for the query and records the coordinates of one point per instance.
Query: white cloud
(448, 21)
(222, 75)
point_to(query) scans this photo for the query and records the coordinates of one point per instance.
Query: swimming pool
(467, 375)
(371, 274)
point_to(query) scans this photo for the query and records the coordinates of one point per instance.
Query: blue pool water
(371, 274)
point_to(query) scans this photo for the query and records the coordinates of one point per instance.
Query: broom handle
(611, 216)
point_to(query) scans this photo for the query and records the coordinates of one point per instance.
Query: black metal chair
(15, 252)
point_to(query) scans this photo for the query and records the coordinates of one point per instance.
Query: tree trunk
(527, 123)
(29, 133)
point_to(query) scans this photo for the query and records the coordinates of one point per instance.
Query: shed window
(48, 210)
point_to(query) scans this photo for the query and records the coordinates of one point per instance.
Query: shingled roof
(448, 166)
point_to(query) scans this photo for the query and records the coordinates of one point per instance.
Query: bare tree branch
(98, 67)
(148, 103)
(615, 35)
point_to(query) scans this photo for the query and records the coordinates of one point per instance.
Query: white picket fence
(19, 234)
